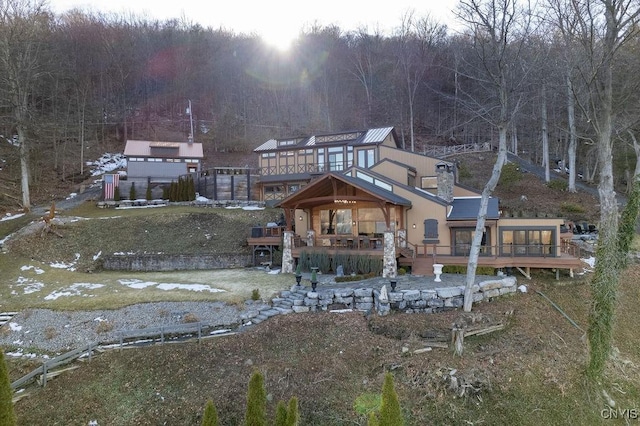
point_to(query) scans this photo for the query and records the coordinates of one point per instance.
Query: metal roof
(377, 135)
(370, 136)
(467, 208)
(135, 148)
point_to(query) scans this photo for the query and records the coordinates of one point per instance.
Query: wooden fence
(50, 364)
(445, 151)
(125, 337)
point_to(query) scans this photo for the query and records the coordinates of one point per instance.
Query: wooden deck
(421, 258)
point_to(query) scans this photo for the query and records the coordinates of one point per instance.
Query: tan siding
(425, 166)
(392, 171)
(463, 192)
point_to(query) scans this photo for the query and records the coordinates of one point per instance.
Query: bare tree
(498, 29)
(415, 43)
(23, 24)
(604, 27)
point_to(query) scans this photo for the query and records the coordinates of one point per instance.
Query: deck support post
(389, 264)
(287, 257)
(526, 272)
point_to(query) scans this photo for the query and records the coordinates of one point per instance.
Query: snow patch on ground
(139, 284)
(10, 216)
(73, 290)
(35, 269)
(15, 326)
(590, 261)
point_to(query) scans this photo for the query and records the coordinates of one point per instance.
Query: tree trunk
(472, 265)
(571, 117)
(545, 134)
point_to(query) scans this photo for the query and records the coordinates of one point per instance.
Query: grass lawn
(51, 272)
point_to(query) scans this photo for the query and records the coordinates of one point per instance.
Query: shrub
(256, 402)
(132, 191)
(367, 403)
(293, 416)
(510, 174)
(189, 318)
(104, 327)
(281, 414)
(210, 417)
(50, 333)
(571, 208)
(116, 193)
(558, 184)
(148, 193)
(390, 412)
(402, 271)
(255, 294)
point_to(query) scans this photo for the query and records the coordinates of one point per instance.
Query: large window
(527, 242)
(371, 222)
(336, 158)
(366, 158)
(463, 237)
(336, 221)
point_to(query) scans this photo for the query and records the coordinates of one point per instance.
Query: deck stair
(422, 266)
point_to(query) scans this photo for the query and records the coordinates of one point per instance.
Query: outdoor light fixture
(300, 218)
(413, 226)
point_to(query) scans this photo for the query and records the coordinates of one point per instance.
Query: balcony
(311, 168)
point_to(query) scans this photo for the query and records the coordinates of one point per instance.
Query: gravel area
(48, 331)
(44, 330)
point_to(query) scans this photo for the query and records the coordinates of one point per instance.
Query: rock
(384, 296)
(522, 288)
(448, 292)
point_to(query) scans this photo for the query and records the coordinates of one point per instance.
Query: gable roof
(467, 209)
(322, 190)
(136, 148)
(352, 138)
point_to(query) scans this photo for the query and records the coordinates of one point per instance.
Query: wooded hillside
(80, 84)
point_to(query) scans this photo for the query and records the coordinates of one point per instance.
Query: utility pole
(190, 121)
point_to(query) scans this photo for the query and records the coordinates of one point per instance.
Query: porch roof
(331, 186)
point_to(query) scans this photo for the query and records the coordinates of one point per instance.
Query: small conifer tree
(132, 191)
(373, 420)
(256, 402)
(293, 416)
(7, 416)
(116, 193)
(148, 195)
(390, 412)
(210, 417)
(281, 414)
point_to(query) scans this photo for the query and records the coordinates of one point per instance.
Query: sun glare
(279, 38)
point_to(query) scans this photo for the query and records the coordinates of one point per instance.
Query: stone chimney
(444, 172)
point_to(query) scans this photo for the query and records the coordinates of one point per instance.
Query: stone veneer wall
(369, 299)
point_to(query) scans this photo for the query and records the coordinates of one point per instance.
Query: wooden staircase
(419, 265)
(422, 266)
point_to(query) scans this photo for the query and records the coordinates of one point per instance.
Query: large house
(359, 191)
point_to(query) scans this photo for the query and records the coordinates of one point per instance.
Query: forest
(80, 84)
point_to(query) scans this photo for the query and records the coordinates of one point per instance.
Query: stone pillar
(389, 267)
(402, 238)
(287, 257)
(311, 237)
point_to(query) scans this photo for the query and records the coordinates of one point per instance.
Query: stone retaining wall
(177, 262)
(369, 299)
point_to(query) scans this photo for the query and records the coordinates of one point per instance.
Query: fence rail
(50, 364)
(445, 151)
(123, 336)
(161, 332)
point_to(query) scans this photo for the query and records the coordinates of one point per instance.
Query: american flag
(109, 186)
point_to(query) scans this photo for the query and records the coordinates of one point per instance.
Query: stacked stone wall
(367, 299)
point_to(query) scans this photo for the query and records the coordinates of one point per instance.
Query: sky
(276, 21)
